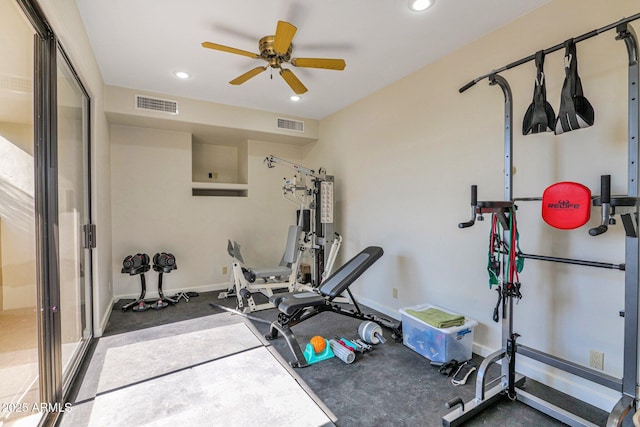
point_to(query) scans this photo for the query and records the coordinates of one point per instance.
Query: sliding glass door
(19, 353)
(73, 214)
(45, 258)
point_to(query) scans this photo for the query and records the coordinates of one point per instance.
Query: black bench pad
(290, 302)
(332, 286)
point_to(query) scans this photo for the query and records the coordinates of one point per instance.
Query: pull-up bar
(559, 46)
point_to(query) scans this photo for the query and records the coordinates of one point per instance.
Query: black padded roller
(453, 402)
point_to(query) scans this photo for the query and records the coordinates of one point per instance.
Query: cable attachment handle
(605, 206)
(474, 206)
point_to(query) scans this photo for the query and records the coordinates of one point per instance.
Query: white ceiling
(140, 44)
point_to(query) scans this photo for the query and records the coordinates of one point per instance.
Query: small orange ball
(318, 343)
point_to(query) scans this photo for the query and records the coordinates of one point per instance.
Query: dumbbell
(164, 262)
(135, 264)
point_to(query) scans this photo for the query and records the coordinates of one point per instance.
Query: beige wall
(65, 20)
(63, 16)
(154, 211)
(405, 157)
(227, 120)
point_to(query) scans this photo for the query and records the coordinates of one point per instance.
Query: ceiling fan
(276, 51)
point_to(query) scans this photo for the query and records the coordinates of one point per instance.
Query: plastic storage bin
(437, 345)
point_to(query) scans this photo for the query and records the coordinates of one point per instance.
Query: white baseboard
(153, 293)
(391, 312)
(587, 391)
(482, 350)
(99, 331)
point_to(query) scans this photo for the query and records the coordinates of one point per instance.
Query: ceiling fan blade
(283, 37)
(228, 49)
(246, 76)
(293, 81)
(330, 64)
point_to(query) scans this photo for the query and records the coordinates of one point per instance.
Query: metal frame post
(507, 314)
(509, 379)
(632, 246)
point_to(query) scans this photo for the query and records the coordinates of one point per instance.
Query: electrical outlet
(224, 270)
(596, 359)
(395, 292)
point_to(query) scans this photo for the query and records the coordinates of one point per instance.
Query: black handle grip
(474, 203)
(598, 230)
(453, 402)
(605, 188)
(467, 86)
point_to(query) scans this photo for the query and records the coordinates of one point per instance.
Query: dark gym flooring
(391, 385)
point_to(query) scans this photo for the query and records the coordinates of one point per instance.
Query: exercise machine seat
(289, 257)
(332, 286)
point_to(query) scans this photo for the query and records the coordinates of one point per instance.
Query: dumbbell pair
(163, 262)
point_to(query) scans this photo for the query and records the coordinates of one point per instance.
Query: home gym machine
(247, 280)
(313, 194)
(509, 380)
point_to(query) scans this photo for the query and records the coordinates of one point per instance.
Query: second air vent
(156, 104)
(289, 124)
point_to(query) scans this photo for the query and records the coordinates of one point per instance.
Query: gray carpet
(392, 385)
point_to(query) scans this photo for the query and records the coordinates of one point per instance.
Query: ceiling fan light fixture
(182, 75)
(276, 51)
(295, 98)
(420, 5)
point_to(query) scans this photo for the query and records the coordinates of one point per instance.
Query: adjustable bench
(296, 307)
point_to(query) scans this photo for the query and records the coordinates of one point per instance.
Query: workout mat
(89, 385)
(131, 363)
(248, 388)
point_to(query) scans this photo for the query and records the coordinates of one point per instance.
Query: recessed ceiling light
(295, 98)
(420, 5)
(182, 75)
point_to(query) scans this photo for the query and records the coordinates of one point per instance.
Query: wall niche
(219, 169)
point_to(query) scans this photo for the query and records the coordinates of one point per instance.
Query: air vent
(156, 104)
(289, 124)
(16, 84)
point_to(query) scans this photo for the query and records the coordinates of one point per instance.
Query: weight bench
(296, 307)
